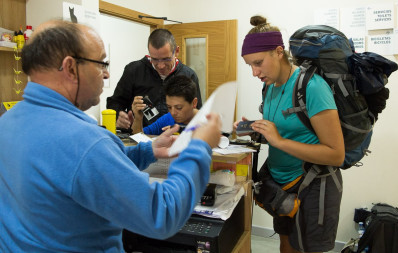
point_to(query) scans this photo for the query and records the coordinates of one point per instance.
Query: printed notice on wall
(359, 43)
(328, 17)
(380, 16)
(77, 14)
(353, 21)
(382, 44)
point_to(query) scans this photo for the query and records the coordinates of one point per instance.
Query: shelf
(8, 49)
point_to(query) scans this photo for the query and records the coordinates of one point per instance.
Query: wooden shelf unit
(243, 245)
(7, 49)
(12, 17)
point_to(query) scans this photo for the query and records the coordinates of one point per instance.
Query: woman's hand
(268, 130)
(236, 123)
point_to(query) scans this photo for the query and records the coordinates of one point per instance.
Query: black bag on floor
(381, 233)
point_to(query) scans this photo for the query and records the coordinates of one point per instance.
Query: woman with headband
(291, 143)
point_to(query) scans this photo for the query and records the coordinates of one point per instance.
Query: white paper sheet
(380, 16)
(328, 17)
(221, 101)
(233, 149)
(140, 137)
(353, 21)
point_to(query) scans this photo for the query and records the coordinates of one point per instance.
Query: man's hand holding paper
(222, 102)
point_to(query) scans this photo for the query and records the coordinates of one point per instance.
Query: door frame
(221, 43)
(122, 12)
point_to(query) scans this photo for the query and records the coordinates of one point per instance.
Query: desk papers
(233, 149)
(224, 204)
(140, 137)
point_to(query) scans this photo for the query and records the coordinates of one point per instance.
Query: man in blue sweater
(181, 102)
(68, 185)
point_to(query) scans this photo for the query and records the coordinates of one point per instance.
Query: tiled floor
(266, 244)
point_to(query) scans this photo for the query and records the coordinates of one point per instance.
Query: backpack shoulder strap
(307, 71)
(264, 93)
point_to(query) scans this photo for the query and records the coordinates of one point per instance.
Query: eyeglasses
(165, 60)
(104, 65)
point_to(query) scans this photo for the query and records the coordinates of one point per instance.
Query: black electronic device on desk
(209, 196)
(199, 234)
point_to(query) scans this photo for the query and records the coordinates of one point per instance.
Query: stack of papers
(233, 149)
(7, 44)
(223, 206)
(140, 137)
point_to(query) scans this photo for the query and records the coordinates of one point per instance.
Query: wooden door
(221, 49)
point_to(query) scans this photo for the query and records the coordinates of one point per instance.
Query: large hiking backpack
(381, 232)
(326, 51)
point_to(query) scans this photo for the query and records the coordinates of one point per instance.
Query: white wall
(38, 11)
(123, 49)
(375, 181)
(126, 43)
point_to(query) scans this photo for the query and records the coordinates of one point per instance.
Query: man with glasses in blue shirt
(68, 185)
(147, 76)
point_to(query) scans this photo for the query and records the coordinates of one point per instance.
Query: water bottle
(361, 231)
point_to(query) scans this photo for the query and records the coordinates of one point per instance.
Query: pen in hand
(192, 128)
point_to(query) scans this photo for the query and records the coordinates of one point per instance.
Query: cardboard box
(240, 167)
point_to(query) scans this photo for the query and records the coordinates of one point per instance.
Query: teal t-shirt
(284, 167)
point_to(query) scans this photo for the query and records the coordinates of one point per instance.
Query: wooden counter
(243, 245)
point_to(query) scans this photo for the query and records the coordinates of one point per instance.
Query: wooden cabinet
(243, 245)
(12, 17)
(244, 212)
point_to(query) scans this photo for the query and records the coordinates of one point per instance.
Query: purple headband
(260, 42)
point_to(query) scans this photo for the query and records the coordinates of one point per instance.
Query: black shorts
(316, 238)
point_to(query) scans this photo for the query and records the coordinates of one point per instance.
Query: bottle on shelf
(15, 37)
(20, 39)
(28, 32)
